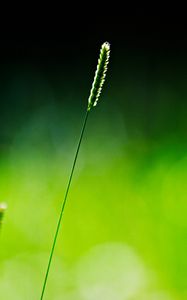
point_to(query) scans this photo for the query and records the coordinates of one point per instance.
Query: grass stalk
(92, 101)
(63, 205)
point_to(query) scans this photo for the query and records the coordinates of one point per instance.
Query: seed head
(100, 75)
(3, 207)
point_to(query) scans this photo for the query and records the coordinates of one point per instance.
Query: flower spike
(100, 75)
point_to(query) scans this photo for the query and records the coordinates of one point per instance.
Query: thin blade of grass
(63, 206)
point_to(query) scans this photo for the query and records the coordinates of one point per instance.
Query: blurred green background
(125, 225)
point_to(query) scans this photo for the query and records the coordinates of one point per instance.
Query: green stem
(63, 206)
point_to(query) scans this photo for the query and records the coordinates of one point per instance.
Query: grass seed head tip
(106, 45)
(3, 207)
(100, 75)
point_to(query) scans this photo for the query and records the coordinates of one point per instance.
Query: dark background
(149, 54)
